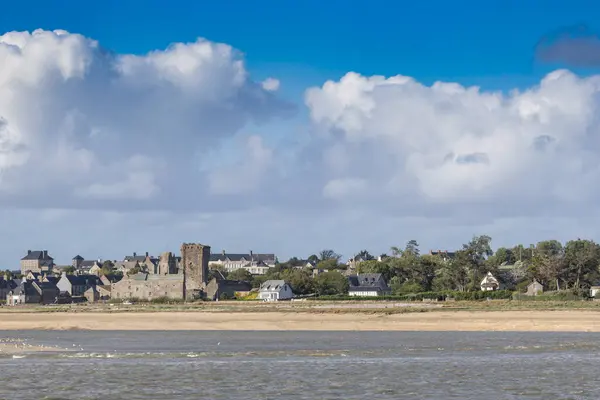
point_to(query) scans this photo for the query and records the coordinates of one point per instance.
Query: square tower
(194, 261)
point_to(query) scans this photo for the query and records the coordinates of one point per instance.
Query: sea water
(301, 365)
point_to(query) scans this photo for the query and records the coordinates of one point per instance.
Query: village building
(216, 289)
(146, 262)
(255, 263)
(489, 283)
(77, 285)
(37, 261)
(125, 267)
(32, 292)
(188, 283)
(275, 290)
(86, 267)
(445, 255)
(534, 288)
(367, 285)
(8, 284)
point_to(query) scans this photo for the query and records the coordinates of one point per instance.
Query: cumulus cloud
(170, 134)
(270, 84)
(448, 144)
(245, 174)
(76, 119)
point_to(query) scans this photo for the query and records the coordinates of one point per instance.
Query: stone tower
(167, 264)
(194, 262)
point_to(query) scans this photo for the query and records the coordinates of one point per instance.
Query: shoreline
(468, 321)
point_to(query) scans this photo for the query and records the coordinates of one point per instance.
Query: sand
(550, 321)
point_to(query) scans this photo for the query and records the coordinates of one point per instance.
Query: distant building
(275, 290)
(37, 261)
(77, 285)
(188, 283)
(443, 254)
(7, 284)
(368, 285)
(147, 262)
(32, 292)
(256, 264)
(535, 287)
(489, 283)
(216, 288)
(86, 267)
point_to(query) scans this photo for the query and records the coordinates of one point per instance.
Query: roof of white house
(489, 280)
(272, 286)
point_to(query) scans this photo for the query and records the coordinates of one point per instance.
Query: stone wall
(194, 261)
(148, 287)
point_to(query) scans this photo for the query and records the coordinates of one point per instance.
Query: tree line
(573, 265)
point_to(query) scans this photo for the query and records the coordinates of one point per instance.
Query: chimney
(45, 254)
(28, 252)
(223, 252)
(146, 254)
(251, 256)
(134, 254)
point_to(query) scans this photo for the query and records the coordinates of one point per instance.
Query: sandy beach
(549, 321)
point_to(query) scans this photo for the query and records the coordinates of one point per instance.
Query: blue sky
(487, 43)
(300, 157)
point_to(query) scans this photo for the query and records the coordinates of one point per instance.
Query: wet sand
(542, 321)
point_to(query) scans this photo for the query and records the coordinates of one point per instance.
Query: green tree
(375, 267)
(135, 270)
(331, 283)
(328, 264)
(69, 270)
(299, 279)
(329, 254)
(581, 261)
(107, 268)
(240, 275)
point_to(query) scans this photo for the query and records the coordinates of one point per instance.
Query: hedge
(479, 295)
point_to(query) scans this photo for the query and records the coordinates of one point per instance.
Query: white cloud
(270, 84)
(245, 175)
(73, 116)
(148, 142)
(452, 144)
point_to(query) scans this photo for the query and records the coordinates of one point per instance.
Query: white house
(489, 283)
(594, 291)
(368, 285)
(275, 290)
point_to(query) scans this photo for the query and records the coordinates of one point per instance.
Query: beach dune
(550, 321)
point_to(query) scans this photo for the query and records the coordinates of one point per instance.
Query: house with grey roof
(32, 292)
(275, 290)
(255, 263)
(86, 267)
(147, 262)
(37, 261)
(6, 285)
(368, 285)
(76, 285)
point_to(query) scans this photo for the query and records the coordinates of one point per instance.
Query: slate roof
(84, 280)
(9, 284)
(52, 279)
(78, 257)
(26, 288)
(36, 255)
(443, 253)
(46, 285)
(367, 282)
(239, 256)
(272, 285)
